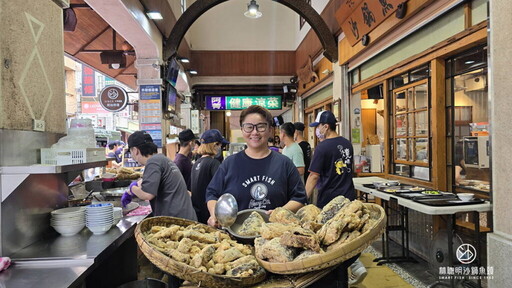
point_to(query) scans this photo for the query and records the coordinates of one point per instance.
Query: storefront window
(411, 114)
(469, 129)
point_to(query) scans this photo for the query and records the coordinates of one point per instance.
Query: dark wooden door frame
(307, 12)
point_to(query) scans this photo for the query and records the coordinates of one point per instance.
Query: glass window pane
(400, 101)
(422, 173)
(470, 61)
(402, 170)
(421, 150)
(421, 123)
(401, 149)
(401, 125)
(420, 73)
(410, 99)
(421, 96)
(410, 123)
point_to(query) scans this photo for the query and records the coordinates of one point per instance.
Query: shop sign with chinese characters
(466, 254)
(242, 102)
(113, 98)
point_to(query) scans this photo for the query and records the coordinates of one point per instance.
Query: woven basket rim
(185, 271)
(335, 256)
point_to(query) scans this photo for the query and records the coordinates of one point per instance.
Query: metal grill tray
(448, 202)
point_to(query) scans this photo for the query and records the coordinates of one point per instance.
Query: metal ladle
(226, 210)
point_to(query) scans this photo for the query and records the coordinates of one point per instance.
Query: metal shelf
(50, 169)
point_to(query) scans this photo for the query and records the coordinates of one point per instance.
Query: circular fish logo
(259, 191)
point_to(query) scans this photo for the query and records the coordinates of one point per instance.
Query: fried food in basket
(331, 209)
(308, 213)
(251, 225)
(273, 230)
(212, 252)
(285, 216)
(301, 238)
(273, 250)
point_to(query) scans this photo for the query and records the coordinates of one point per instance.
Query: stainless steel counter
(59, 261)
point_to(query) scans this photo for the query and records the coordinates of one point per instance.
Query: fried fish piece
(284, 216)
(184, 245)
(196, 261)
(301, 238)
(218, 269)
(308, 213)
(331, 231)
(198, 236)
(331, 209)
(178, 256)
(207, 254)
(251, 225)
(227, 255)
(244, 270)
(273, 250)
(312, 225)
(167, 232)
(273, 230)
(346, 237)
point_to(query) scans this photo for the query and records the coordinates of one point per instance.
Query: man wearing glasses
(257, 177)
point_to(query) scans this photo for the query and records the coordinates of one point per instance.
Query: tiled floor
(418, 274)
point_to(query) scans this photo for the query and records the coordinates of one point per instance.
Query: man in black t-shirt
(304, 145)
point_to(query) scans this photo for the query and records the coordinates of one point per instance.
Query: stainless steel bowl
(241, 217)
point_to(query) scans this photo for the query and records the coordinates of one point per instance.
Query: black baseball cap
(186, 135)
(138, 138)
(299, 126)
(212, 136)
(324, 117)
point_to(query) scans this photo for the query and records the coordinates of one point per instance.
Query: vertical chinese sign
(150, 112)
(88, 81)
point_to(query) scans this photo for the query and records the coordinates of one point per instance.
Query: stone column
(499, 247)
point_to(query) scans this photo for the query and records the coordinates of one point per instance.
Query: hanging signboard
(113, 98)
(358, 18)
(242, 102)
(88, 81)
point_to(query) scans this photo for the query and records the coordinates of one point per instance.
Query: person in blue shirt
(257, 177)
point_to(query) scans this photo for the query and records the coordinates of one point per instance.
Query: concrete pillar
(499, 247)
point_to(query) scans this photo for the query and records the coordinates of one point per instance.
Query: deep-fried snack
(301, 238)
(244, 270)
(178, 256)
(331, 231)
(273, 230)
(312, 225)
(284, 216)
(344, 238)
(207, 254)
(184, 245)
(198, 236)
(308, 213)
(273, 250)
(196, 261)
(227, 255)
(331, 209)
(251, 225)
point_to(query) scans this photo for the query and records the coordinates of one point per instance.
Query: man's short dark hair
(288, 129)
(147, 149)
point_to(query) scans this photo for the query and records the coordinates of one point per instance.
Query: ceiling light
(183, 59)
(115, 65)
(155, 15)
(469, 62)
(228, 113)
(253, 10)
(192, 72)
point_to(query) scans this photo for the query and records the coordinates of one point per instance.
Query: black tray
(371, 186)
(447, 202)
(404, 188)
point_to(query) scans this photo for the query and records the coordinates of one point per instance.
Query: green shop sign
(242, 102)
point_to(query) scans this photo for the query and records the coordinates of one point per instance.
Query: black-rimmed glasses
(249, 127)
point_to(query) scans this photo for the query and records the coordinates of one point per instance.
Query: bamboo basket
(184, 271)
(333, 257)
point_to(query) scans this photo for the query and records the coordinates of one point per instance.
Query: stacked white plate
(99, 217)
(68, 221)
